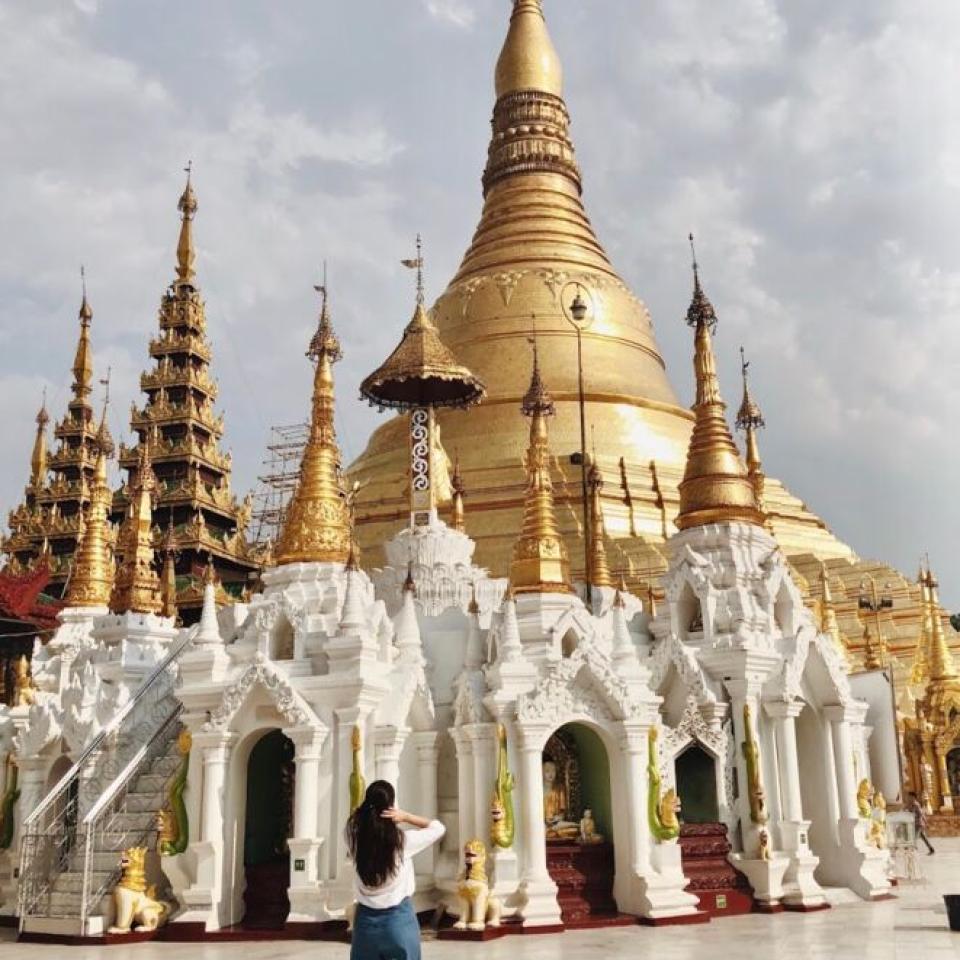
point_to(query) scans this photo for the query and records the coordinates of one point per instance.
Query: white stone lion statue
(477, 907)
(133, 900)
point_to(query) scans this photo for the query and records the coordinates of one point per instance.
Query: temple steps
(721, 890)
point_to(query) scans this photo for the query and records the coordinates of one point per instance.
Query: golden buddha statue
(556, 811)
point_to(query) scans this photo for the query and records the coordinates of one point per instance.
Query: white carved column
(465, 788)
(211, 897)
(483, 738)
(801, 889)
(306, 842)
(387, 746)
(538, 892)
(843, 761)
(425, 743)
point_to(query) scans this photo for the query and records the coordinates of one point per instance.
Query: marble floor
(912, 927)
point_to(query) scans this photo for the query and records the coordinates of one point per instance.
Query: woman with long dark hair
(385, 926)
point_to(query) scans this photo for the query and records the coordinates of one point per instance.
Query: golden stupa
(533, 249)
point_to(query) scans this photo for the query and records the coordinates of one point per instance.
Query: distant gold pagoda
(50, 518)
(183, 430)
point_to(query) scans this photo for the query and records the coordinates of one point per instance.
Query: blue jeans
(391, 934)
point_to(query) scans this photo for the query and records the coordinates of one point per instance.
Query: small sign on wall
(721, 902)
(300, 865)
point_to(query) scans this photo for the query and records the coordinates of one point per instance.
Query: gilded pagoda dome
(532, 253)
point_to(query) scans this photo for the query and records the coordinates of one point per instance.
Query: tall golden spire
(83, 360)
(540, 563)
(317, 527)
(828, 612)
(942, 666)
(599, 568)
(91, 577)
(750, 420)
(137, 586)
(715, 487)
(186, 252)
(168, 576)
(528, 60)
(38, 459)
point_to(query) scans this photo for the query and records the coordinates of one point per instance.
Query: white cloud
(460, 13)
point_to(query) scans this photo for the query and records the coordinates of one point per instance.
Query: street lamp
(874, 601)
(580, 316)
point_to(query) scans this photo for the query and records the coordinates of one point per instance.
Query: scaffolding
(278, 482)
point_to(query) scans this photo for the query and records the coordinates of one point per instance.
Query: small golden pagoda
(136, 586)
(599, 566)
(179, 422)
(50, 518)
(715, 486)
(92, 570)
(750, 420)
(540, 561)
(317, 527)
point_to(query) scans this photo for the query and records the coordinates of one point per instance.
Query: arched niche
(696, 776)
(282, 639)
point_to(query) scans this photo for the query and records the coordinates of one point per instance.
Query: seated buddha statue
(555, 807)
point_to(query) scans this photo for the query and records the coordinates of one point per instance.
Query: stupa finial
(186, 252)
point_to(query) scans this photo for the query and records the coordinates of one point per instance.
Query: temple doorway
(267, 826)
(579, 825)
(696, 772)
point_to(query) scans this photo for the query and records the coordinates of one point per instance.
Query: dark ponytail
(375, 842)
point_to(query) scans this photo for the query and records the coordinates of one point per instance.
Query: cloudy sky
(813, 147)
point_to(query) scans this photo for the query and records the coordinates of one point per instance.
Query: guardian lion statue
(134, 901)
(477, 907)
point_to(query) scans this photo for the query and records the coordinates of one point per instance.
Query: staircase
(722, 890)
(583, 873)
(106, 803)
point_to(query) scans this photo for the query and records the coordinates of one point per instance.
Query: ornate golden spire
(874, 653)
(456, 482)
(942, 666)
(715, 487)
(186, 252)
(38, 459)
(137, 586)
(540, 563)
(83, 360)
(91, 577)
(528, 60)
(750, 419)
(317, 526)
(168, 576)
(599, 568)
(828, 613)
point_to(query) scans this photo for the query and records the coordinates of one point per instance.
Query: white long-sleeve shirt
(403, 883)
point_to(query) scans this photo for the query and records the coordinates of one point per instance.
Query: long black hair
(374, 841)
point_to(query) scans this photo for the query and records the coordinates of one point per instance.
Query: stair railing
(52, 831)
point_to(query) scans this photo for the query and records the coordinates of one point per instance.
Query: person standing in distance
(385, 926)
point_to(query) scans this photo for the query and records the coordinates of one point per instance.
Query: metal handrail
(64, 782)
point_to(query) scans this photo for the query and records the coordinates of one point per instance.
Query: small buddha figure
(555, 807)
(588, 828)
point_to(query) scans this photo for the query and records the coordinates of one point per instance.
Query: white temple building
(563, 732)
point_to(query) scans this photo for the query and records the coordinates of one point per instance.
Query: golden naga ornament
(540, 562)
(751, 756)
(865, 798)
(662, 811)
(358, 786)
(24, 691)
(501, 809)
(317, 527)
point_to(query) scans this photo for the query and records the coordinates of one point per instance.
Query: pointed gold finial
(137, 586)
(528, 60)
(715, 487)
(750, 420)
(828, 613)
(91, 576)
(186, 252)
(168, 576)
(38, 457)
(599, 568)
(83, 359)
(459, 491)
(540, 562)
(942, 666)
(317, 526)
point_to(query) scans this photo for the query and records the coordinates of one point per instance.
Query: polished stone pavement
(912, 927)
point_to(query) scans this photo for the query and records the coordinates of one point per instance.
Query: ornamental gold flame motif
(751, 755)
(540, 563)
(316, 528)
